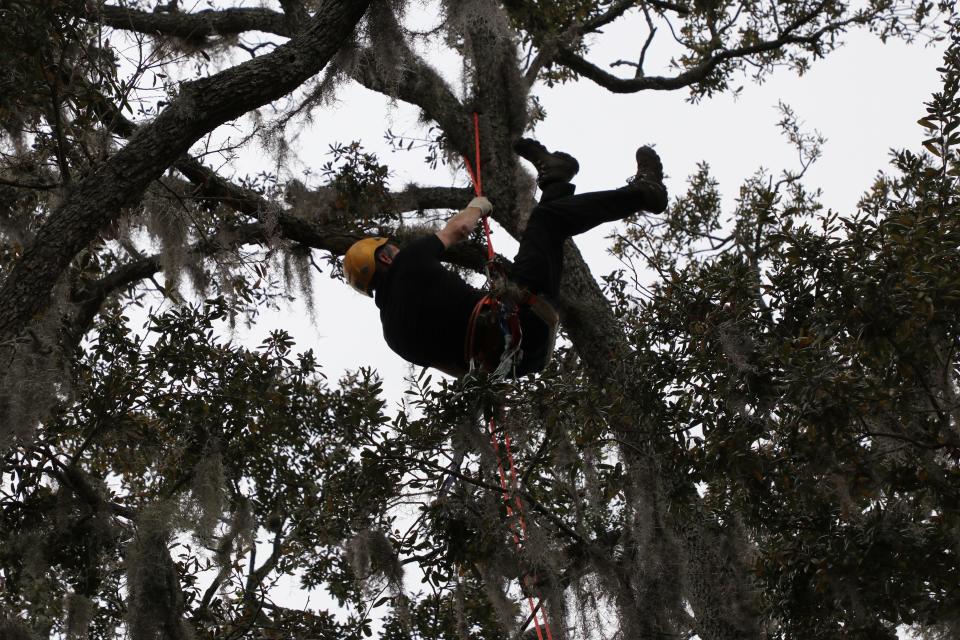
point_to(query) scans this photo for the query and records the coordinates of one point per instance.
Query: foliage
(813, 386)
(199, 436)
(358, 179)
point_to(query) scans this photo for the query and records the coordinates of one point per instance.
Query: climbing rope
(503, 306)
(511, 488)
(476, 178)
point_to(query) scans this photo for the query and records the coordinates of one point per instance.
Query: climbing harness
(494, 338)
(502, 305)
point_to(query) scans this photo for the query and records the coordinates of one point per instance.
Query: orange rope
(477, 181)
(512, 488)
(545, 627)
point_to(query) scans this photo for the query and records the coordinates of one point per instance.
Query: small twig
(646, 45)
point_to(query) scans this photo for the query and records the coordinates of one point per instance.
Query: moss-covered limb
(195, 26)
(155, 600)
(73, 478)
(201, 106)
(313, 233)
(217, 189)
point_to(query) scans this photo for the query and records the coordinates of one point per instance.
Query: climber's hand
(481, 203)
(459, 227)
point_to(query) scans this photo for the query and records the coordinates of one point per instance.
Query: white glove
(483, 204)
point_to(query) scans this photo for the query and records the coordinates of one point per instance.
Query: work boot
(551, 167)
(649, 180)
(649, 167)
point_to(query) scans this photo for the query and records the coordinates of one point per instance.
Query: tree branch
(257, 576)
(549, 45)
(696, 74)
(320, 232)
(616, 10)
(201, 106)
(195, 26)
(71, 477)
(20, 184)
(295, 12)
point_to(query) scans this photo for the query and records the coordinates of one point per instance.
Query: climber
(428, 312)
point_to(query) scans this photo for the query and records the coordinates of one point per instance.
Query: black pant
(560, 215)
(539, 261)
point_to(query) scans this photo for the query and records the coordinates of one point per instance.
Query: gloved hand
(483, 204)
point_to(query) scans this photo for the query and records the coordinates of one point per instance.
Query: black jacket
(425, 308)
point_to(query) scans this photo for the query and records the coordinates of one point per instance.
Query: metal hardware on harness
(494, 338)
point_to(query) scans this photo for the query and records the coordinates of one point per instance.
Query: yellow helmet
(360, 263)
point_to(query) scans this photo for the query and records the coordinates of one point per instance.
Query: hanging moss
(80, 612)
(34, 375)
(154, 600)
(207, 496)
(495, 586)
(166, 225)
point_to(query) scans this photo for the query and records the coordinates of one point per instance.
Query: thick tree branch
(71, 477)
(29, 184)
(663, 5)
(155, 597)
(615, 11)
(212, 186)
(92, 297)
(307, 233)
(201, 106)
(198, 25)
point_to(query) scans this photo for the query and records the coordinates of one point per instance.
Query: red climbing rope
(534, 608)
(476, 178)
(512, 487)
